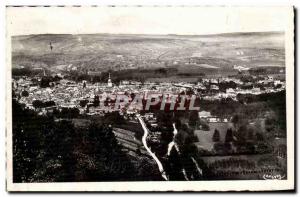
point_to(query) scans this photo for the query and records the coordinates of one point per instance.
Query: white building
(109, 83)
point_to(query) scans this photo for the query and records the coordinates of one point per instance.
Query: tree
(28, 138)
(37, 104)
(96, 101)
(25, 93)
(45, 82)
(114, 118)
(241, 133)
(229, 135)
(235, 120)
(259, 137)
(216, 136)
(49, 103)
(83, 103)
(69, 113)
(270, 123)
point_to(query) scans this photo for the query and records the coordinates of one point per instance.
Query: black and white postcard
(154, 98)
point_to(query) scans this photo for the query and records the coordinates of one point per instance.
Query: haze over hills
(101, 52)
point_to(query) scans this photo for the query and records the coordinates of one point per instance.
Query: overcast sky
(146, 20)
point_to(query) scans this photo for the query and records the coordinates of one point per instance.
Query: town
(211, 132)
(89, 98)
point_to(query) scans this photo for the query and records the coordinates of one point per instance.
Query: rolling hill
(102, 52)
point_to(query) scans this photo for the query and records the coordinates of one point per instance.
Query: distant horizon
(170, 34)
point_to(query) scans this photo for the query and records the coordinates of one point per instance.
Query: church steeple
(109, 83)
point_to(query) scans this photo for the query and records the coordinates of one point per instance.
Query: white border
(165, 186)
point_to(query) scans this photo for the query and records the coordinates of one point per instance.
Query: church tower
(109, 83)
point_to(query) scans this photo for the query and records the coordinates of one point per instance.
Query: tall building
(109, 83)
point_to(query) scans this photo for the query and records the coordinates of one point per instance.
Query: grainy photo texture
(108, 95)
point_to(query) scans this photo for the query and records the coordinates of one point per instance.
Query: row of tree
(45, 150)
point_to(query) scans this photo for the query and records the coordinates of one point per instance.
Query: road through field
(160, 166)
